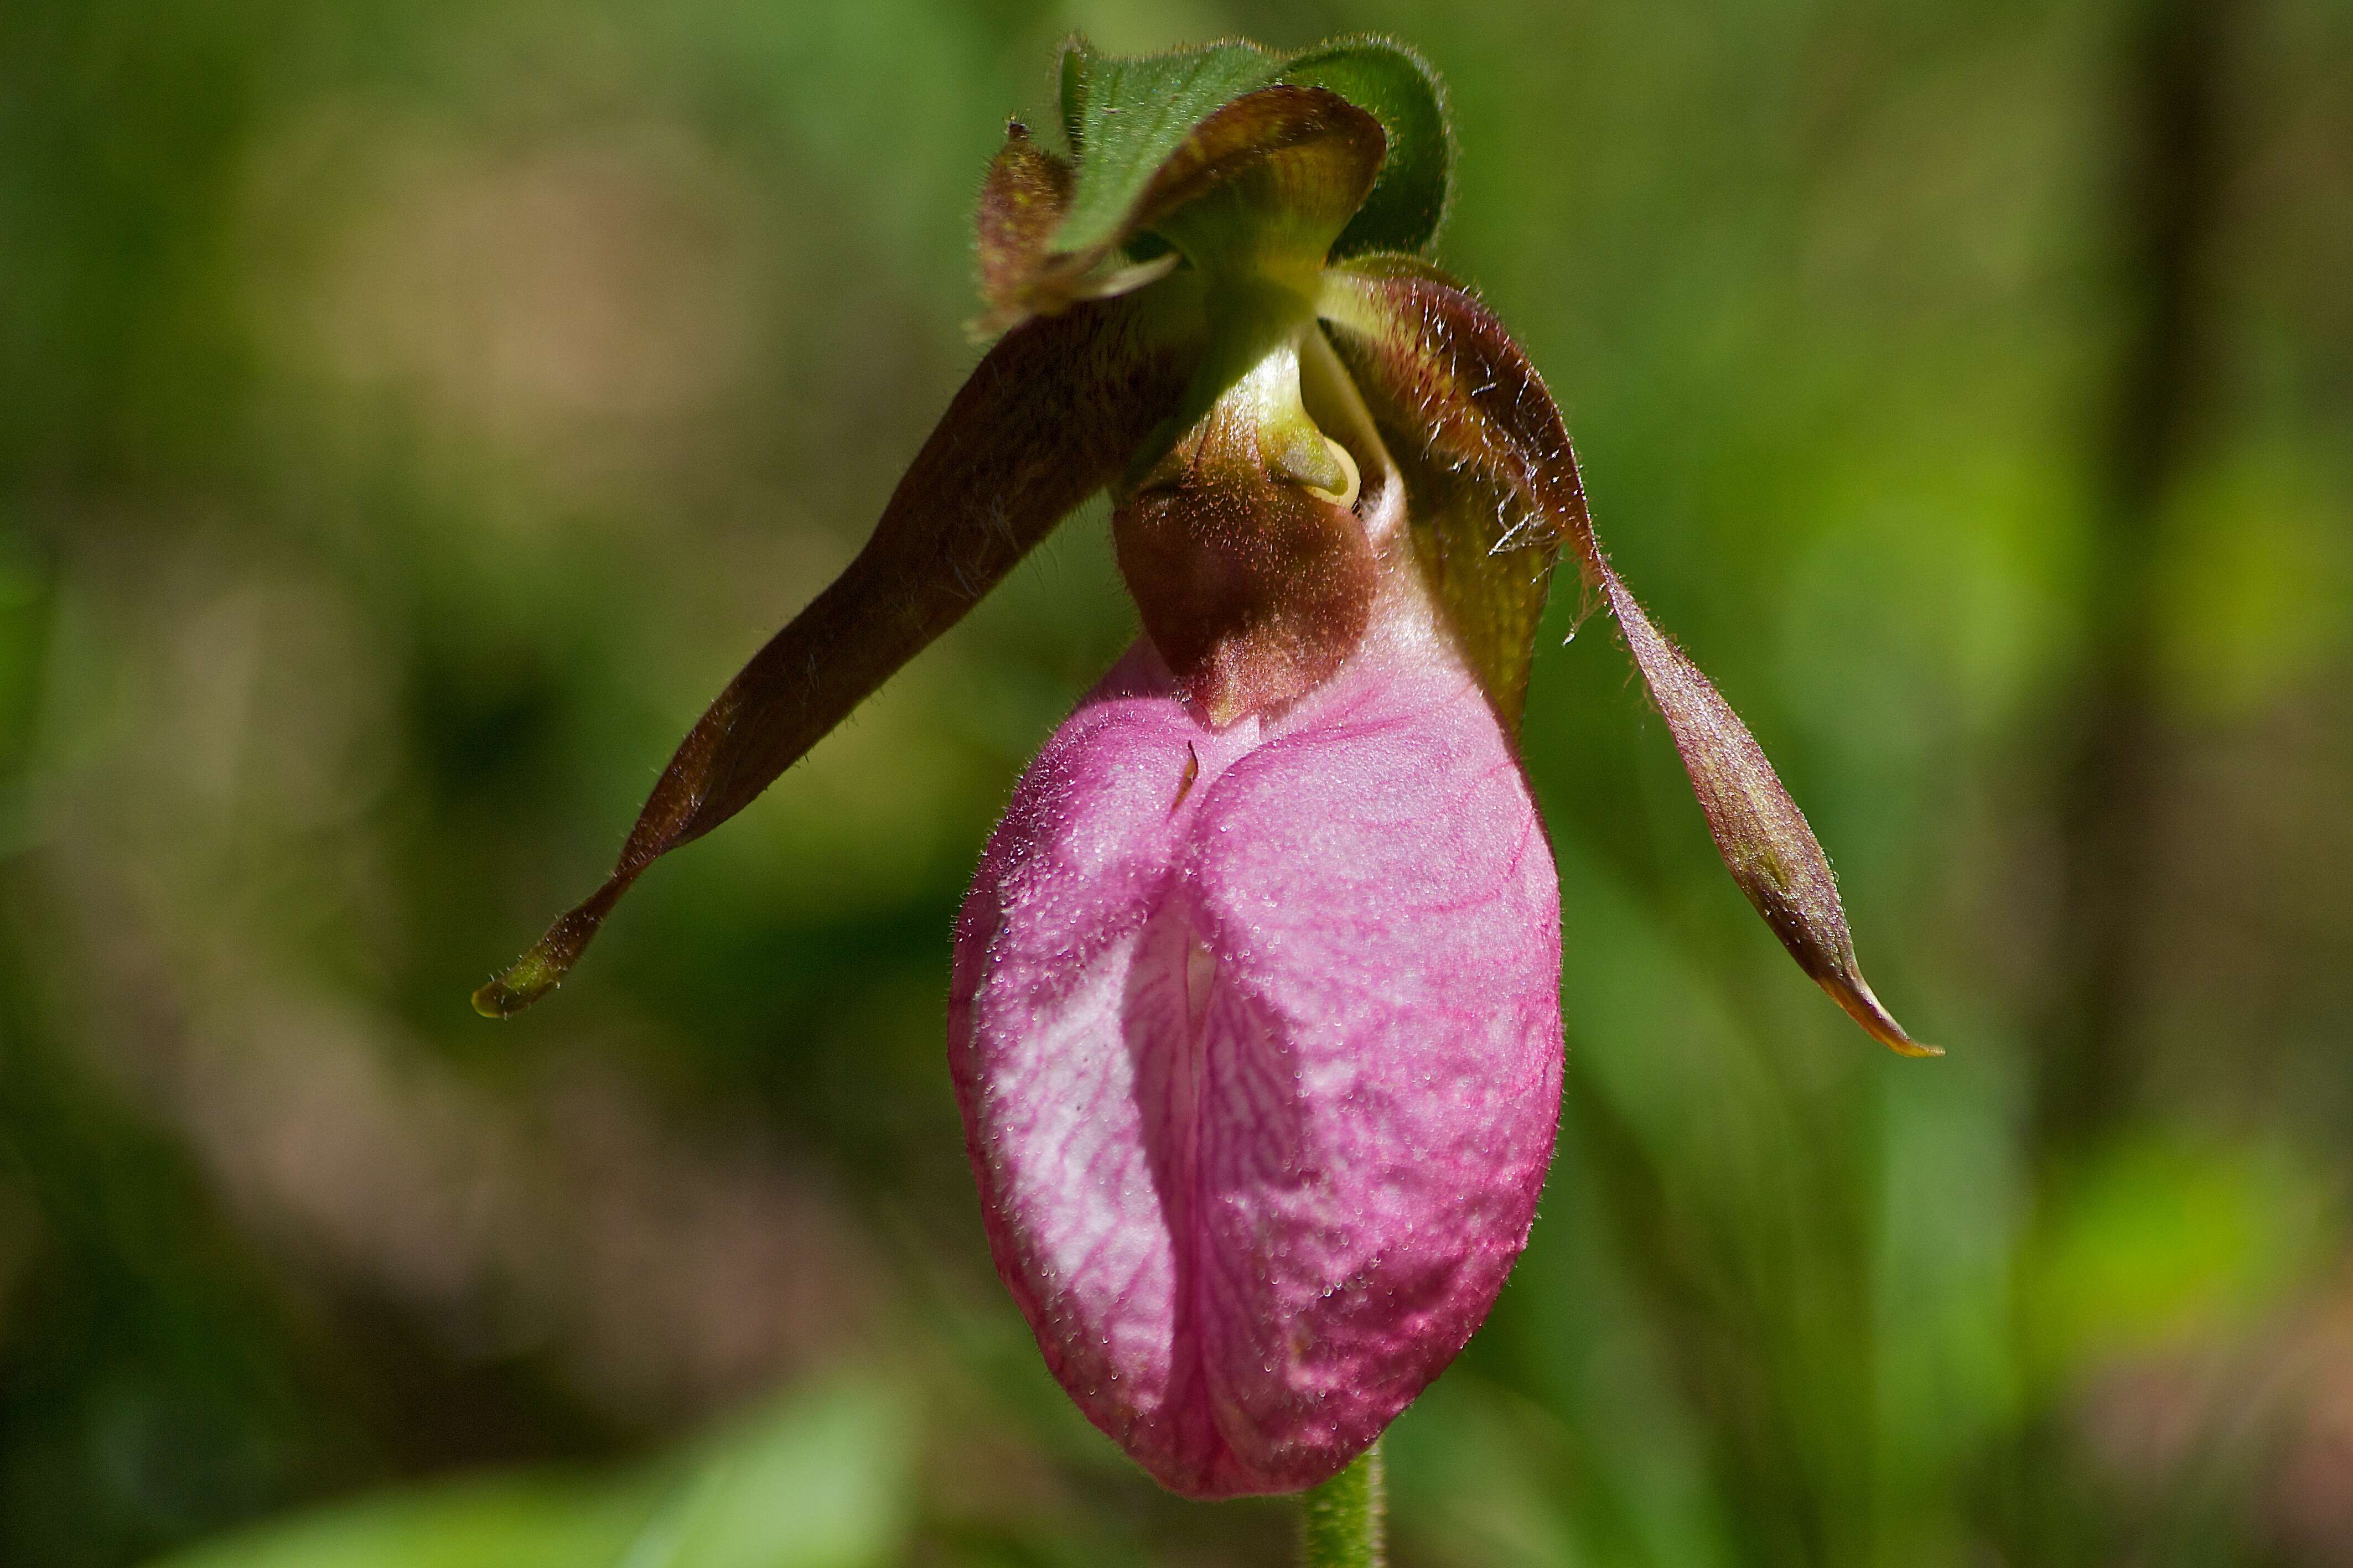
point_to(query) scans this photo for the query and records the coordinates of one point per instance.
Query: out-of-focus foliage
(820, 1483)
(410, 414)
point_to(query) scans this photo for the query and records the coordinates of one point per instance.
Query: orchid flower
(1255, 1011)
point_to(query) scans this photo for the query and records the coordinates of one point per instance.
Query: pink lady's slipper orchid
(1255, 1016)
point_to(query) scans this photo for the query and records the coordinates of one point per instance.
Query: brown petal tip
(1764, 839)
(543, 969)
(526, 982)
(1022, 202)
(1853, 994)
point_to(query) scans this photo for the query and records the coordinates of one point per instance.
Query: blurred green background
(411, 412)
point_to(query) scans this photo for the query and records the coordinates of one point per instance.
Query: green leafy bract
(1397, 86)
(1337, 151)
(1126, 118)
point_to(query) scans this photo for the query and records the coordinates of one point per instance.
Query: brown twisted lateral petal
(1049, 416)
(1445, 380)
(1484, 547)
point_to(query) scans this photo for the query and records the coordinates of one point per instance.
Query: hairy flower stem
(1344, 1522)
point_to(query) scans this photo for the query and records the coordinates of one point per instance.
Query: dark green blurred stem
(2120, 752)
(1344, 1522)
(2119, 755)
